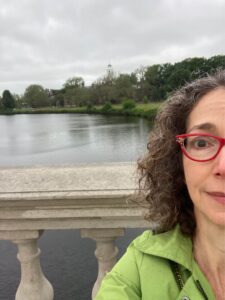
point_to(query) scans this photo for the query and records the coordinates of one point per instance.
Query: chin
(218, 220)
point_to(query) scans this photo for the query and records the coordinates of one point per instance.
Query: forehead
(210, 109)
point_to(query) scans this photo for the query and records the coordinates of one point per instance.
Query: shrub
(145, 100)
(107, 107)
(90, 106)
(128, 104)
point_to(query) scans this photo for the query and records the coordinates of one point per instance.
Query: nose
(220, 163)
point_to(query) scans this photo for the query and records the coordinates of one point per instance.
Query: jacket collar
(172, 245)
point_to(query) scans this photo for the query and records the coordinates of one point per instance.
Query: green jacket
(157, 267)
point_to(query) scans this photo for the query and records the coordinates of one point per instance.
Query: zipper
(180, 283)
(177, 275)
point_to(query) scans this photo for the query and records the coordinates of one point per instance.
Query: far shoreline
(140, 110)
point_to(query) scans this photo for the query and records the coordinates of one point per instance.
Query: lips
(218, 196)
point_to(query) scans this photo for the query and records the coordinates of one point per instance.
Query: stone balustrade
(93, 198)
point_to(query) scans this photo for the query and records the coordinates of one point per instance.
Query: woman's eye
(200, 143)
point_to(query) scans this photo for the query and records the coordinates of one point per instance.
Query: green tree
(125, 86)
(74, 82)
(36, 96)
(215, 62)
(154, 82)
(8, 100)
(102, 91)
(185, 71)
(76, 96)
(59, 99)
(178, 78)
(75, 92)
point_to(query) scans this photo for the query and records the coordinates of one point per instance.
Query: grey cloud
(48, 41)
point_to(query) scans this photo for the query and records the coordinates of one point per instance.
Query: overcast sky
(48, 41)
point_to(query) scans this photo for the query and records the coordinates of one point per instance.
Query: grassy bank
(141, 110)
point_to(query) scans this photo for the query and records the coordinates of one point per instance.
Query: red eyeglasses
(200, 147)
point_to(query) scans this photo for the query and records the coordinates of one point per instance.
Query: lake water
(70, 138)
(49, 139)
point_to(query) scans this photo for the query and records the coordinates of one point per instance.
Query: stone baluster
(33, 284)
(106, 251)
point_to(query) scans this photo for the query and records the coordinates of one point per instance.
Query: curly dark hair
(161, 171)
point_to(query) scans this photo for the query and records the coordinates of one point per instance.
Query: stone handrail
(93, 198)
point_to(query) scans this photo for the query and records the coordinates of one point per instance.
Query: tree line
(146, 84)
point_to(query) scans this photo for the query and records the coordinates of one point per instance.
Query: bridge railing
(93, 198)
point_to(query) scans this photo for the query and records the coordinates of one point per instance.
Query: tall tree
(8, 100)
(36, 96)
(125, 86)
(74, 82)
(75, 92)
(154, 82)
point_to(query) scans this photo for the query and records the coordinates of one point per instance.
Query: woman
(184, 176)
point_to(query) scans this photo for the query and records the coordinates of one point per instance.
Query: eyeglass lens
(201, 147)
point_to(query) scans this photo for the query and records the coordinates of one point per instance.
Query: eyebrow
(203, 126)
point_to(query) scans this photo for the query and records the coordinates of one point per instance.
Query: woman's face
(206, 180)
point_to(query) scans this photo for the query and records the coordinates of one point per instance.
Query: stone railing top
(80, 196)
(77, 178)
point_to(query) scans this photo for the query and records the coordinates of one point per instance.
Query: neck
(209, 252)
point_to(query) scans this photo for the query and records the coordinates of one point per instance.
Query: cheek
(192, 176)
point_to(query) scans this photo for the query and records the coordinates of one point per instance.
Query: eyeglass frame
(181, 137)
